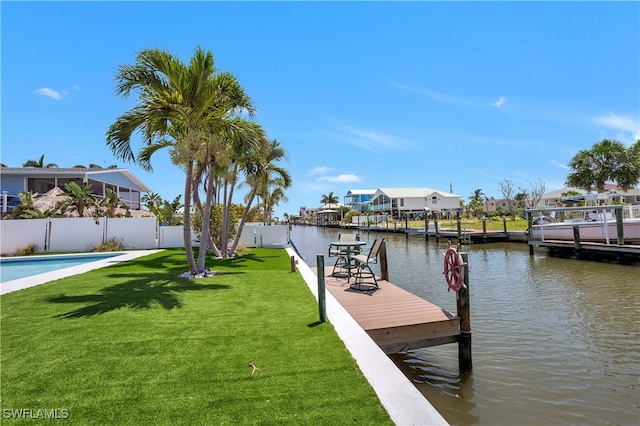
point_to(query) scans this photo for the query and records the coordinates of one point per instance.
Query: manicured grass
(133, 344)
(493, 224)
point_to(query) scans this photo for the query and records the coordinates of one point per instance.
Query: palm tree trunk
(242, 221)
(186, 218)
(224, 234)
(206, 219)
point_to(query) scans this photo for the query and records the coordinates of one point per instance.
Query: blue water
(13, 269)
(555, 341)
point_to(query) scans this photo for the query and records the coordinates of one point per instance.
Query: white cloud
(50, 93)
(559, 164)
(320, 170)
(344, 178)
(501, 101)
(440, 97)
(622, 123)
(370, 140)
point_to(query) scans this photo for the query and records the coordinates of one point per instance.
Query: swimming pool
(21, 267)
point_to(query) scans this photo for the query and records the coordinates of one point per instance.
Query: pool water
(13, 269)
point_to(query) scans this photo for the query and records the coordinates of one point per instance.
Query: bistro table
(346, 248)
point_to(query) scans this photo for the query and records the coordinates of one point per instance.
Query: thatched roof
(49, 200)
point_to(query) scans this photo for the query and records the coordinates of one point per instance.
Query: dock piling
(464, 312)
(384, 265)
(322, 301)
(426, 226)
(484, 229)
(576, 241)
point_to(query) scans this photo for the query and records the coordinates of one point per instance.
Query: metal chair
(342, 261)
(363, 271)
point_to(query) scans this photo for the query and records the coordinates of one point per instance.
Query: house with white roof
(395, 201)
(610, 195)
(359, 199)
(41, 180)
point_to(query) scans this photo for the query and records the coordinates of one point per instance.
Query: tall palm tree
(263, 173)
(226, 143)
(246, 153)
(606, 161)
(39, 163)
(330, 198)
(179, 106)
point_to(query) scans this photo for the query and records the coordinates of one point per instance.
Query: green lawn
(493, 224)
(133, 344)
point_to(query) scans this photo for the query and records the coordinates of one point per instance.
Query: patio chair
(343, 253)
(334, 251)
(363, 271)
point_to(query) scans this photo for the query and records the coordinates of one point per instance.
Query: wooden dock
(394, 318)
(627, 253)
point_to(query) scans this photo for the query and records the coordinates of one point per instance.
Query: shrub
(110, 245)
(26, 250)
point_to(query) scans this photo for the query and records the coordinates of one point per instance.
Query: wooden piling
(459, 225)
(576, 241)
(293, 264)
(384, 265)
(426, 227)
(529, 232)
(484, 229)
(464, 312)
(504, 225)
(619, 226)
(322, 301)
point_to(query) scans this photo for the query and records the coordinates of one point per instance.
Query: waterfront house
(411, 201)
(41, 180)
(610, 195)
(359, 199)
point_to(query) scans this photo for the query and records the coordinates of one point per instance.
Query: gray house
(41, 180)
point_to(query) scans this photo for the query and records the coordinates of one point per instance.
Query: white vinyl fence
(258, 235)
(84, 234)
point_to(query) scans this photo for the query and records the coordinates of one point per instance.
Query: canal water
(555, 341)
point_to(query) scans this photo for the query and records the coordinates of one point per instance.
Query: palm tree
(330, 199)
(263, 173)
(272, 199)
(39, 163)
(78, 196)
(606, 161)
(151, 201)
(475, 202)
(179, 106)
(93, 166)
(244, 152)
(107, 205)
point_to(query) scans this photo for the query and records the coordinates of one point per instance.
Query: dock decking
(627, 253)
(394, 318)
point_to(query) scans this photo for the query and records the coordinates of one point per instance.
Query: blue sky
(362, 95)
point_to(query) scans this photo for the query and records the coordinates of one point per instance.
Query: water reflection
(555, 341)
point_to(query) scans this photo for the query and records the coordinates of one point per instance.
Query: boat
(595, 224)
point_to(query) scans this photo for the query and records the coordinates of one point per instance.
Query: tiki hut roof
(49, 200)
